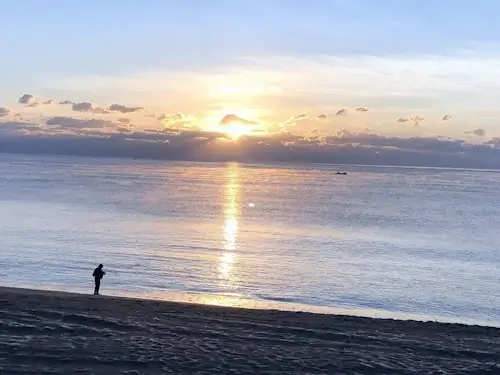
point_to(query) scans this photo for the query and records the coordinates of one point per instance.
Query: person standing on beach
(98, 275)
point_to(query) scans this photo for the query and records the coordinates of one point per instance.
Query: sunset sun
(235, 130)
(235, 127)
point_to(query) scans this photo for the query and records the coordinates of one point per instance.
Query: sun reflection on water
(230, 228)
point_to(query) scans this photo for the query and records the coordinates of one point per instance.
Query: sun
(235, 130)
(234, 124)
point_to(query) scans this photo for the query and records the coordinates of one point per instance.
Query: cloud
(173, 118)
(294, 119)
(64, 122)
(17, 127)
(66, 102)
(446, 118)
(124, 129)
(232, 118)
(47, 102)
(67, 135)
(4, 111)
(362, 109)
(416, 120)
(88, 107)
(100, 111)
(82, 107)
(341, 112)
(322, 117)
(26, 99)
(427, 144)
(477, 132)
(124, 109)
(124, 120)
(33, 104)
(494, 142)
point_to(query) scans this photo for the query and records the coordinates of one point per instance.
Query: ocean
(418, 243)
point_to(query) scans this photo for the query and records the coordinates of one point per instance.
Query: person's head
(100, 265)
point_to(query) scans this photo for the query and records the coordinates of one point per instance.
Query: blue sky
(264, 60)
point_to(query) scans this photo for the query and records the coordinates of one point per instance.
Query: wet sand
(60, 333)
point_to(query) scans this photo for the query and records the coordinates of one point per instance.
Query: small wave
(266, 297)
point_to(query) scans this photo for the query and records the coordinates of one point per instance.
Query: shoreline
(187, 304)
(224, 301)
(59, 332)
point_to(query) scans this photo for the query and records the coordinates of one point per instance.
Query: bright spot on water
(251, 205)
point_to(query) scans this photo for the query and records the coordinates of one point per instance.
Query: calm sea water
(379, 241)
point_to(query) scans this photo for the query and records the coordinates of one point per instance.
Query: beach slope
(60, 333)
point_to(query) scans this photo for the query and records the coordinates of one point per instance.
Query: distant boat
(342, 173)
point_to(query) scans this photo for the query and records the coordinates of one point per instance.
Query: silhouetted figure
(98, 275)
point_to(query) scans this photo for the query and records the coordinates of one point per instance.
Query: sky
(165, 71)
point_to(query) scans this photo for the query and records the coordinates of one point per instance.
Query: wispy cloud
(341, 112)
(294, 119)
(322, 117)
(382, 87)
(416, 120)
(380, 83)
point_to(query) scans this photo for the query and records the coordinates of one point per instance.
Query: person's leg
(97, 286)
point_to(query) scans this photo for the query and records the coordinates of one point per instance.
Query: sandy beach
(60, 333)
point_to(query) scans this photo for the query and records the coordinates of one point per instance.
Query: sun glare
(236, 130)
(235, 123)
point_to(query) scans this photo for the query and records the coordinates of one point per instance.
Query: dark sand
(59, 333)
